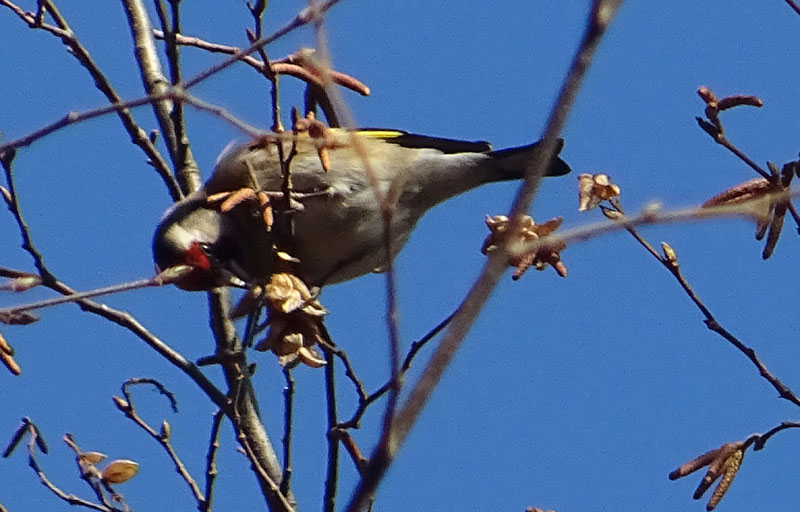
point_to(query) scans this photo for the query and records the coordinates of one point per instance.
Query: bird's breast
(340, 237)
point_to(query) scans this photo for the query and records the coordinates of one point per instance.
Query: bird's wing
(413, 140)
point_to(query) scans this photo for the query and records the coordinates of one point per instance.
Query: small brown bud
(651, 210)
(612, 214)
(121, 403)
(7, 358)
(91, 457)
(711, 129)
(706, 94)
(166, 430)
(669, 253)
(21, 284)
(173, 274)
(6, 195)
(120, 471)
(17, 318)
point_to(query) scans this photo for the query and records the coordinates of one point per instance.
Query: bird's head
(204, 239)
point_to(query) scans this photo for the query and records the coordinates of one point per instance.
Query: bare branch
(90, 474)
(121, 318)
(185, 164)
(302, 18)
(138, 135)
(150, 70)
(332, 472)
(601, 15)
(365, 401)
(244, 414)
(762, 439)
(211, 461)
(72, 499)
(795, 7)
(163, 436)
(77, 117)
(288, 396)
(291, 65)
(670, 262)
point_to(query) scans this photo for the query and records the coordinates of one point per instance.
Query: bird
(339, 230)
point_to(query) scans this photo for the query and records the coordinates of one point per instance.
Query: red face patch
(196, 257)
(202, 277)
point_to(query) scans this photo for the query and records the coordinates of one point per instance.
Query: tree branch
(599, 19)
(137, 134)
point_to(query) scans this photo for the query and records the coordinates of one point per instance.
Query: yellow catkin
(732, 466)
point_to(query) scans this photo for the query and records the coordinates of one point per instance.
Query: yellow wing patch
(382, 134)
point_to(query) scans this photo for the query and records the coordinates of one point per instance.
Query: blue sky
(572, 394)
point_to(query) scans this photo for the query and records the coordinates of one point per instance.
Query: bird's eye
(211, 253)
(221, 251)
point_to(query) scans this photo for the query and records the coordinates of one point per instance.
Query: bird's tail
(513, 161)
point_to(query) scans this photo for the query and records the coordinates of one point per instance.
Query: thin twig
(332, 472)
(150, 71)
(794, 6)
(186, 167)
(257, 11)
(291, 65)
(288, 400)
(250, 432)
(783, 391)
(275, 497)
(89, 473)
(639, 238)
(221, 113)
(650, 215)
(137, 134)
(154, 281)
(723, 141)
(211, 461)
(302, 18)
(68, 498)
(251, 328)
(359, 461)
(12, 202)
(599, 19)
(762, 439)
(13, 273)
(674, 268)
(713, 127)
(121, 318)
(351, 375)
(365, 401)
(174, 94)
(163, 437)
